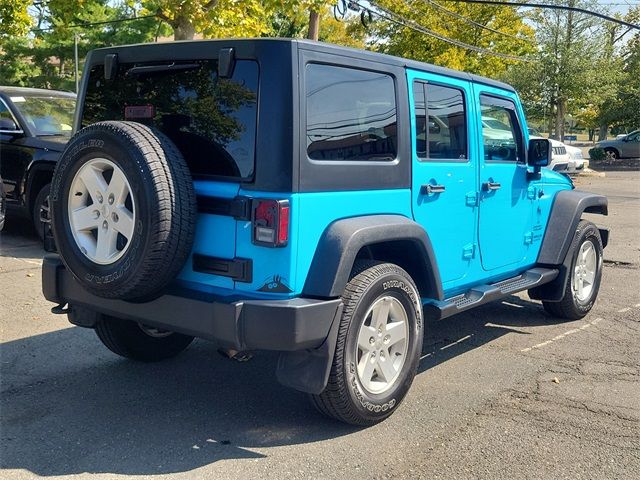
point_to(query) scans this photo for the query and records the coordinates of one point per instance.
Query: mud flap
(308, 370)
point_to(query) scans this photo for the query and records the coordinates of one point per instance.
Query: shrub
(597, 154)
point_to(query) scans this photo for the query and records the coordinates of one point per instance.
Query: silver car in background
(627, 146)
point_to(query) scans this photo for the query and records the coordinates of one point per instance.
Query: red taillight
(271, 222)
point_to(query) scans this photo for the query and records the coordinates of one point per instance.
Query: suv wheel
(123, 210)
(41, 214)
(378, 347)
(139, 342)
(585, 275)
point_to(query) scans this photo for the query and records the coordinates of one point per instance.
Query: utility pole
(75, 52)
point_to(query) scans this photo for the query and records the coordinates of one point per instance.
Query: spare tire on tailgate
(123, 210)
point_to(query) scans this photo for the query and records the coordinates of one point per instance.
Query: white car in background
(576, 162)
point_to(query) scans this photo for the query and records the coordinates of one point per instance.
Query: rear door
(506, 197)
(444, 183)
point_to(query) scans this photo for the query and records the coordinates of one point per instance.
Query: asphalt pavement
(504, 391)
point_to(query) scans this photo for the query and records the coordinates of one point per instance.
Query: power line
(553, 7)
(400, 20)
(119, 20)
(473, 22)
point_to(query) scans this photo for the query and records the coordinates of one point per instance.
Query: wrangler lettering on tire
(123, 210)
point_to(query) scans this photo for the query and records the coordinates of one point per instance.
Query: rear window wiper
(170, 67)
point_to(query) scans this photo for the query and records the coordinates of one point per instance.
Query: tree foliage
(212, 18)
(14, 17)
(581, 70)
(389, 37)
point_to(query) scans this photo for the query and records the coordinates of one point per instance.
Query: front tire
(378, 346)
(139, 342)
(612, 153)
(585, 275)
(41, 214)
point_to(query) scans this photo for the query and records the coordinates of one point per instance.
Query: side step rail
(481, 294)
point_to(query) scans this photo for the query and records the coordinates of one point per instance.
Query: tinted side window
(501, 134)
(421, 119)
(351, 114)
(444, 135)
(211, 120)
(447, 132)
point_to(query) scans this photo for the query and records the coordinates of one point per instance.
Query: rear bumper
(281, 325)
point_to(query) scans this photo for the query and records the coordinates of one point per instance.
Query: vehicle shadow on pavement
(457, 335)
(19, 240)
(69, 406)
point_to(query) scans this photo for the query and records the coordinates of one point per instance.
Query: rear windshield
(212, 120)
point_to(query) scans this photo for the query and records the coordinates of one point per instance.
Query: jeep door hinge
(531, 193)
(471, 199)
(528, 238)
(468, 251)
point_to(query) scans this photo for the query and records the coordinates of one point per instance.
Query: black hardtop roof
(326, 48)
(35, 92)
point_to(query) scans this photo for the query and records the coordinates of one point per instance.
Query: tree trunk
(602, 133)
(183, 29)
(550, 119)
(560, 114)
(592, 132)
(314, 25)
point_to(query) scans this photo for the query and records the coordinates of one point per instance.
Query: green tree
(45, 57)
(389, 37)
(294, 23)
(14, 17)
(577, 68)
(212, 18)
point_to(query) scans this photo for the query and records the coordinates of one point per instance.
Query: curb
(587, 172)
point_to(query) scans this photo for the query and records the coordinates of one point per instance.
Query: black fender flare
(566, 212)
(343, 240)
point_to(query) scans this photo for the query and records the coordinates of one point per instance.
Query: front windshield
(47, 115)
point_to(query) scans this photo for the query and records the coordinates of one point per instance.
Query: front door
(444, 171)
(506, 197)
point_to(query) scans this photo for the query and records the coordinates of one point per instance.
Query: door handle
(429, 189)
(490, 186)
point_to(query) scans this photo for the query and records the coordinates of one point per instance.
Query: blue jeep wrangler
(309, 199)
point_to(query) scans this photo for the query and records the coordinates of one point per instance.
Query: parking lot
(504, 391)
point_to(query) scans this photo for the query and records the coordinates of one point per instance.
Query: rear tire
(585, 275)
(377, 351)
(41, 204)
(138, 342)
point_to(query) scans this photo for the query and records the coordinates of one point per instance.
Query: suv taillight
(270, 220)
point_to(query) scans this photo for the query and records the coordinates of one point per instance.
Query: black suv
(35, 126)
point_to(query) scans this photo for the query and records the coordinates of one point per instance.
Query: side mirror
(7, 125)
(540, 152)
(538, 156)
